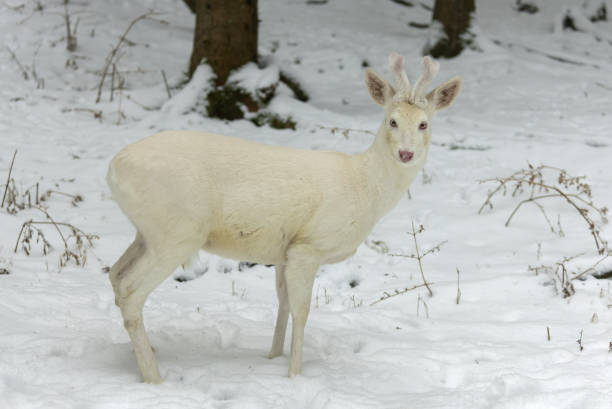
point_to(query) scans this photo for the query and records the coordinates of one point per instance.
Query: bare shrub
(547, 182)
(419, 255)
(562, 275)
(76, 243)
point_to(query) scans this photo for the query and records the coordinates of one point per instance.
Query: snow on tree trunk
(225, 35)
(449, 31)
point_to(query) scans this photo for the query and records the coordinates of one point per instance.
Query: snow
(252, 78)
(62, 343)
(194, 91)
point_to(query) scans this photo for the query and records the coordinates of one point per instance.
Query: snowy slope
(62, 343)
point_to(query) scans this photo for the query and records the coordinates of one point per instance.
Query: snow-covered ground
(62, 343)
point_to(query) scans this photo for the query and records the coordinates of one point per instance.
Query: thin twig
(416, 246)
(534, 201)
(458, 289)
(398, 292)
(96, 113)
(421, 299)
(414, 256)
(163, 73)
(434, 248)
(592, 268)
(119, 111)
(140, 104)
(8, 178)
(345, 131)
(54, 224)
(76, 198)
(112, 88)
(76, 26)
(491, 194)
(23, 226)
(25, 74)
(71, 42)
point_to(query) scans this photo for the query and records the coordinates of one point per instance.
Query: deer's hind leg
(140, 271)
(117, 271)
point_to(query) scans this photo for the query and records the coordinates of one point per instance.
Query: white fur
(296, 209)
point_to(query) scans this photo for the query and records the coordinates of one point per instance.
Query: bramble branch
(573, 190)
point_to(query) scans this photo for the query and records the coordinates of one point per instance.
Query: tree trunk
(225, 35)
(191, 4)
(454, 16)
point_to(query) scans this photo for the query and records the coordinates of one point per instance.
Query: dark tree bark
(191, 4)
(455, 17)
(225, 34)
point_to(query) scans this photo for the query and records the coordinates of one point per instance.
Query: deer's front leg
(283, 313)
(300, 272)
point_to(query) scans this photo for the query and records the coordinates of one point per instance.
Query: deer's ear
(380, 90)
(443, 96)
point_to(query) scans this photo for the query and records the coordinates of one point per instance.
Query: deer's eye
(393, 123)
(423, 126)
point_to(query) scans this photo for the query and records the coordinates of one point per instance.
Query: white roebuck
(296, 209)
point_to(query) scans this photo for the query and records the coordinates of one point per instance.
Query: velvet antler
(414, 95)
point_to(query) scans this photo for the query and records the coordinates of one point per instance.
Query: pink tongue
(405, 156)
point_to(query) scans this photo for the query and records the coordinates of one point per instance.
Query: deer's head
(408, 110)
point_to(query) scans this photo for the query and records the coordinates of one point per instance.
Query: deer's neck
(385, 178)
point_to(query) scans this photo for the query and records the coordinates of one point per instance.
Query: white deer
(296, 209)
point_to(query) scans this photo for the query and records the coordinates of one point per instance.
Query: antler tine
(396, 62)
(430, 70)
